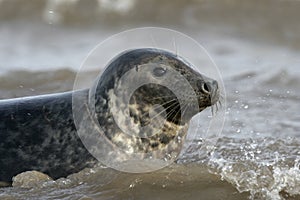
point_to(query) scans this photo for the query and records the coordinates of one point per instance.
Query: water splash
(264, 167)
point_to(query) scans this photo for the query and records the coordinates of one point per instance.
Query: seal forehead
(137, 57)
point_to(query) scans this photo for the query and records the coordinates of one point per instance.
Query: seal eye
(159, 71)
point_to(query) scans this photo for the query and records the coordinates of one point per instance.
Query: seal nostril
(205, 88)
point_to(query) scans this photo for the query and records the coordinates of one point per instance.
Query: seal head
(145, 99)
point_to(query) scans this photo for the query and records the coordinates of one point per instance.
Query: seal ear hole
(159, 71)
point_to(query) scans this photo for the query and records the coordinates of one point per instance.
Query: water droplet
(253, 146)
(236, 101)
(258, 151)
(238, 131)
(246, 106)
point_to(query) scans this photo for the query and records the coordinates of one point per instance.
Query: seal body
(38, 133)
(149, 117)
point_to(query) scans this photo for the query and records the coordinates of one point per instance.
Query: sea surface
(254, 44)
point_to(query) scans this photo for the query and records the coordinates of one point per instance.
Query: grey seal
(38, 133)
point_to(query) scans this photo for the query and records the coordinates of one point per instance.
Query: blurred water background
(256, 46)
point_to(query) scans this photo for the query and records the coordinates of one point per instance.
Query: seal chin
(215, 92)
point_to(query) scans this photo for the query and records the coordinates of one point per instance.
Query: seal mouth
(214, 92)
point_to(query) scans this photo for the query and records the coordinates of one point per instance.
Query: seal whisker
(221, 97)
(172, 104)
(161, 97)
(179, 110)
(172, 111)
(220, 103)
(185, 109)
(163, 110)
(165, 103)
(175, 46)
(174, 118)
(216, 108)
